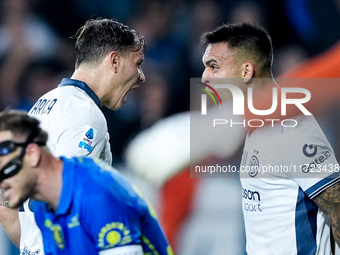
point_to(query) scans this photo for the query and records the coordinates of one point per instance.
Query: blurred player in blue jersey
(286, 210)
(82, 205)
(109, 56)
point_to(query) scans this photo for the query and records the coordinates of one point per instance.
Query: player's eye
(213, 67)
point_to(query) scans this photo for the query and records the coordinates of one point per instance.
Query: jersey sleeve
(121, 218)
(152, 235)
(82, 132)
(310, 159)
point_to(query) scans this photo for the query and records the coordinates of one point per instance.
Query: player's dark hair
(100, 36)
(21, 124)
(252, 38)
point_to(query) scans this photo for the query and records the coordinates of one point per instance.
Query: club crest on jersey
(57, 233)
(87, 138)
(254, 166)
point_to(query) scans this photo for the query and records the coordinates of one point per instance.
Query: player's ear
(248, 72)
(114, 60)
(33, 154)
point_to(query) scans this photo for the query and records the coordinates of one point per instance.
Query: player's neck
(97, 80)
(49, 183)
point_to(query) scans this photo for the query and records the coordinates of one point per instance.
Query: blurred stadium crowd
(36, 49)
(36, 52)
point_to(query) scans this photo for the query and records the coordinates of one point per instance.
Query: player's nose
(205, 76)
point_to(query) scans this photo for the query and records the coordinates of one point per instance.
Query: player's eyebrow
(208, 63)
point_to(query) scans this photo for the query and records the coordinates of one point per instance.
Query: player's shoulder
(66, 101)
(96, 183)
(301, 127)
(72, 97)
(305, 142)
(75, 106)
(102, 177)
(69, 96)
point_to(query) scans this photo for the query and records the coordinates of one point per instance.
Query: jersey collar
(81, 85)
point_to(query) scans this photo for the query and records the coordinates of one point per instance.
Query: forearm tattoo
(329, 202)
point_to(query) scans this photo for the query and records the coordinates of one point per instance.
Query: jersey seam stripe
(322, 188)
(149, 244)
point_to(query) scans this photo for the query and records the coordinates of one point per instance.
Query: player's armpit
(128, 249)
(329, 202)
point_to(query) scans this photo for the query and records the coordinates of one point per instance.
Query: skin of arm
(329, 203)
(9, 218)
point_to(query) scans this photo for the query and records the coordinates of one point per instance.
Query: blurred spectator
(315, 22)
(254, 12)
(165, 49)
(38, 78)
(19, 24)
(114, 9)
(287, 57)
(23, 38)
(248, 11)
(154, 99)
(204, 16)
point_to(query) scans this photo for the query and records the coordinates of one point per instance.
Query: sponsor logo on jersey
(112, 234)
(87, 138)
(309, 150)
(251, 195)
(317, 162)
(252, 200)
(74, 222)
(27, 251)
(252, 207)
(57, 233)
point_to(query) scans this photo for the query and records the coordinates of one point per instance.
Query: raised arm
(329, 202)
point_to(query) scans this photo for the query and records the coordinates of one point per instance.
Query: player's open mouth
(7, 194)
(125, 99)
(135, 87)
